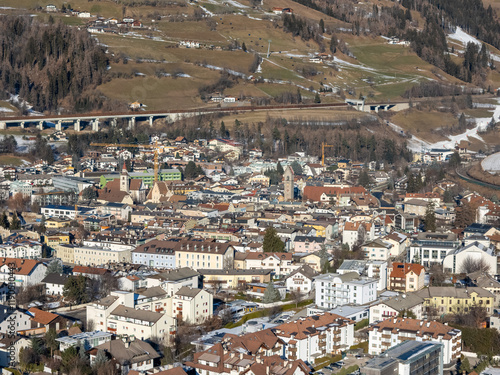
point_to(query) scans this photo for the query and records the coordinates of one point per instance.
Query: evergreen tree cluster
(47, 64)
(300, 26)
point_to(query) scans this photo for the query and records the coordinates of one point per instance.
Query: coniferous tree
(15, 223)
(272, 243)
(364, 178)
(271, 294)
(430, 218)
(4, 221)
(280, 170)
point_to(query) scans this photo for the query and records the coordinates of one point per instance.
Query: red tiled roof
(313, 193)
(21, 266)
(89, 270)
(400, 270)
(42, 317)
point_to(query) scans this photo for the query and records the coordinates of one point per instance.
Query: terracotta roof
(89, 270)
(305, 327)
(22, 266)
(255, 255)
(252, 342)
(314, 193)
(42, 317)
(419, 327)
(400, 270)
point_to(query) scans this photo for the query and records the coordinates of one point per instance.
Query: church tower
(288, 184)
(124, 180)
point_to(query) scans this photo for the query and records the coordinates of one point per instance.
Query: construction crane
(323, 145)
(131, 145)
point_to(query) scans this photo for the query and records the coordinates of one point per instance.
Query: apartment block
(384, 335)
(316, 336)
(334, 289)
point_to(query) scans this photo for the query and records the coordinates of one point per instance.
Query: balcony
(113, 330)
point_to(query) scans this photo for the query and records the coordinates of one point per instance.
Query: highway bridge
(96, 120)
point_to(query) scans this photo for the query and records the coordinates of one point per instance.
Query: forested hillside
(50, 65)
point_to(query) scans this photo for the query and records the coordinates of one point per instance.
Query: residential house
(402, 305)
(281, 263)
(405, 277)
(378, 249)
(54, 284)
(128, 353)
(301, 280)
(42, 321)
(308, 244)
(9, 314)
(192, 305)
(357, 232)
(26, 271)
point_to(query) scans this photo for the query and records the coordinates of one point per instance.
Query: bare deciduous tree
(296, 297)
(471, 264)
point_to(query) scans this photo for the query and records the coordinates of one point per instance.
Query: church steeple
(124, 179)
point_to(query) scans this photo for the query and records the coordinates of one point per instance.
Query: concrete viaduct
(78, 121)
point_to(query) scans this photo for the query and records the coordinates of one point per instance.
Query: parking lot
(347, 362)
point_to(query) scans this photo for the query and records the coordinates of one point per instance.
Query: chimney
(241, 355)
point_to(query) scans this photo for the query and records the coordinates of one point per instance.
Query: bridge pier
(22, 125)
(40, 125)
(95, 125)
(151, 120)
(131, 123)
(3, 125)
(113, 122)
(77, 126)
(59, 125)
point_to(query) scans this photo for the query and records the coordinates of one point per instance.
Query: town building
(405, 277)
(387, 333)
(440, 300)
(335, 289)
(406, 358)
(192, 305)
(409, 305)
(316, 336)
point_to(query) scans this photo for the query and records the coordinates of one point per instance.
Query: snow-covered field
(416, 144)
(492, 163)
(461, 36)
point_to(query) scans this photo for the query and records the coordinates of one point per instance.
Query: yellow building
(313, 260)
(56, 223)
(204, 255)
(56, 239)
(234, 278)
(260, 179)
(65, 252)
(450, 300)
